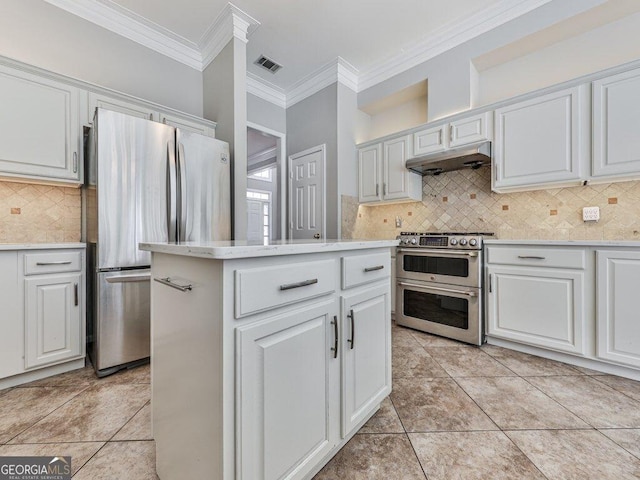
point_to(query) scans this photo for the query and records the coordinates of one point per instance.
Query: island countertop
(223, 250)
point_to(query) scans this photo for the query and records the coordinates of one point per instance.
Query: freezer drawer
(122, 329)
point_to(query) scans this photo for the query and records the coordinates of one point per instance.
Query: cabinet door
(430, 140)
(538, 306)
(39, 125)
(12, 338)
(616, 116)
(118, 105)
(366, 359)
(285, 370)
(53, 325)
(617, 306)
(540, 141)
(187, 125)
(395, 182)
(470, 130)
(369, 172)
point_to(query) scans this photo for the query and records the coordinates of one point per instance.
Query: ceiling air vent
(268, 64)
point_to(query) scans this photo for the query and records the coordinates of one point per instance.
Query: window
(259, 212)
(264, 175)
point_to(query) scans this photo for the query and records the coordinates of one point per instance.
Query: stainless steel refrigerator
(148, 182)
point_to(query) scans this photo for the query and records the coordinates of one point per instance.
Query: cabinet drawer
(536, 256)
(52, 262)
(360, 269)
(260, 289)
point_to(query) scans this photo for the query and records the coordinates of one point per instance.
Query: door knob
(316, 236)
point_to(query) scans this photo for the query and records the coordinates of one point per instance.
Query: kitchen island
(266, 359)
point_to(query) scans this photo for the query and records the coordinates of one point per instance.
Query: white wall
(266, 114)
(607, 46)
(40, 34)
(449, 74)
(400, 117)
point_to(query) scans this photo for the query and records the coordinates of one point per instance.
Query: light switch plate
(591, 214)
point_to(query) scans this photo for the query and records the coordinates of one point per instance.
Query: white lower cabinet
(618, 320)
(286, 375)
(43, 313)
(52, 319)
(285, 384)
(366, 353)
(538, 306)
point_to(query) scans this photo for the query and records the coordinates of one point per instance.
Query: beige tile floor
(456, 412)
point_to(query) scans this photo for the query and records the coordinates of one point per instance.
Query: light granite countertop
(565, 243)
(40, 246)
(243, 249)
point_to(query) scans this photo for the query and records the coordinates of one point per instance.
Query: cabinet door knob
(75, 294)
(335, 336)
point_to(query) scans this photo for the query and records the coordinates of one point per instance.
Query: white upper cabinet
(122, 106)
(541, 141)
(188, 125)
(475, 128)
(471, 130)
(430, 140)
(382, 175)
(616, 117)
(370, 169)
(39, 124)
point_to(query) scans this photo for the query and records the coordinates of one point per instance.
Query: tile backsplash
(39, 213)
(463, 201)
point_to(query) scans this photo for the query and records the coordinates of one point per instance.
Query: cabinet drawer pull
(167, 281)
(61, 262)
(75, 294)
(531, 257)
(352, 340)
(304, 283)
(373, 269)
(335, 336)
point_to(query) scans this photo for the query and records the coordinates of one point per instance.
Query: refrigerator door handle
(171, 195)
(182, 195)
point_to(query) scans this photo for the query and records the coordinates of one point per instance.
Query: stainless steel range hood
(470, 156)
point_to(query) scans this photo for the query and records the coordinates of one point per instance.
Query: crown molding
(447, 37)
(338, 70)
(231, 22)
(265, 90)
(128, 24)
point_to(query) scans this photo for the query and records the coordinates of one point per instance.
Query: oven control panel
(460, 241)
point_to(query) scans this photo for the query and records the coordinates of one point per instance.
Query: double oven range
(439, 284)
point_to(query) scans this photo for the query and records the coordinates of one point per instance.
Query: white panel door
(39, 125)
(255, 221)
(395, 177)
(52, 319)
(618, 320)
(542, 307)
(540, 141)
(366, 359)
(616, 117)
(369, 173)
(306, 194)
(285, 373)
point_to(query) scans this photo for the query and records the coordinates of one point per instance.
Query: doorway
(307, 194)
(265, 180)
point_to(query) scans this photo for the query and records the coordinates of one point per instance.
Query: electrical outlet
(591, 214)
(398, 222)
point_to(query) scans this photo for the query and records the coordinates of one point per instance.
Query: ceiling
(305, 35)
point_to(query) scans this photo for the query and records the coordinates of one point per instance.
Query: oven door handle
(442, 253)
(439, 289)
